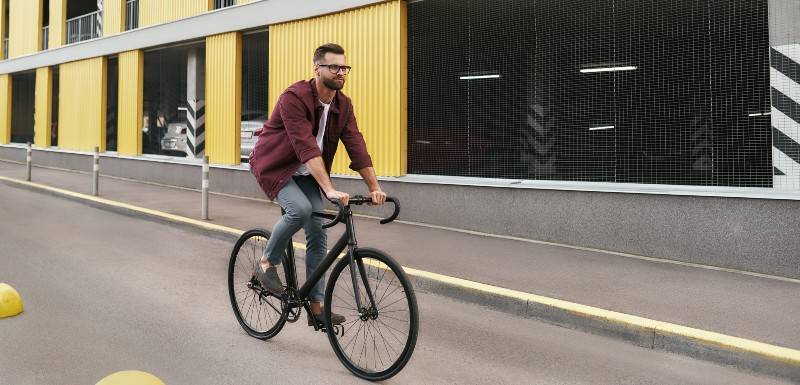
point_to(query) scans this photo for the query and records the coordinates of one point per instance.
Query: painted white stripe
(786, 86)
(96, 167)
(789, 167)
(781, 182)
(786, 125)
(792, 51)
(205, 183)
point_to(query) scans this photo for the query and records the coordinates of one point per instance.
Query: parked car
(174, 141)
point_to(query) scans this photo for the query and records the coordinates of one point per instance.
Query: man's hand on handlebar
(342, 196)
(378, 197)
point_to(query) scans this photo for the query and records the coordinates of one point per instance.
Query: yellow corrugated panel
(224, 98)
(159, 11)
(5, 108)
(3, 22)
(131, 93)
(82, 105)
(25, 32)
(374, 39)
(43, 116)
(113, 17)
(244, 1)
(58, 23)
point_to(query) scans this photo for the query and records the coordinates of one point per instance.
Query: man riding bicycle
(292, 162)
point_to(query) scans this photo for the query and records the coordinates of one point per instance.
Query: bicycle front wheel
(260, 313)
(376, 340)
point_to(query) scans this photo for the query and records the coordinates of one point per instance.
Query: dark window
(255, 73)
(223, 3)
(131, 14)
(635, 91)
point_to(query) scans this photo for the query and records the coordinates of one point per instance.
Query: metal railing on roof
(86, 27)
(223, 3)
(131, 14)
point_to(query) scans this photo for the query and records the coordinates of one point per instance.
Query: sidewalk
(752, 307)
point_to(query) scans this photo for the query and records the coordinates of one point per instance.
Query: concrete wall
(753, 234)
(784, 16)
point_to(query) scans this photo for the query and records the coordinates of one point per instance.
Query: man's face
(334, 81)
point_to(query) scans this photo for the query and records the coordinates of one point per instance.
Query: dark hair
(320, 52)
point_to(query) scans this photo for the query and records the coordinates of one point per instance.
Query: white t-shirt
(303, 170)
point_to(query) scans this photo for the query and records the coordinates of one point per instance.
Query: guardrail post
(205, 188)
(28, 162)
(96, 172)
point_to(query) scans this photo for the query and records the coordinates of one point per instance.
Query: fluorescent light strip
(608, 69)
(760, 114)
(479, 77)
(601, 128)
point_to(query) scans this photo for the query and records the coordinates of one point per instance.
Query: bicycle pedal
(318, 326)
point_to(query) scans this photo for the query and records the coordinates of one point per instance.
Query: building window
(223, 3)
(131, 14)
(629, 91)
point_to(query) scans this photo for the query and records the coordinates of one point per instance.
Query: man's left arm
(360, 160)
(375, 192)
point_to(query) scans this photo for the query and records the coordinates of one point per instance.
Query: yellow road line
(790, 356)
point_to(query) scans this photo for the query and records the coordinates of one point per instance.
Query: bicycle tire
(262, 317)
(393, 331)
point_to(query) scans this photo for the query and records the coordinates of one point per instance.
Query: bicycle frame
(346, 241)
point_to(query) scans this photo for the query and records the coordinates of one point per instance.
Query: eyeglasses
(336, 68)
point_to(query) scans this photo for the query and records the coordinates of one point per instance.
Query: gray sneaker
(269, 280)
(336, 319)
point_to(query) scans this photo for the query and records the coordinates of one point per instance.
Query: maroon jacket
(288, 138)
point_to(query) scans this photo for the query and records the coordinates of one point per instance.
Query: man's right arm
(298, 127)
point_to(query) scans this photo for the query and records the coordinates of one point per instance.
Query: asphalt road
(105, 293)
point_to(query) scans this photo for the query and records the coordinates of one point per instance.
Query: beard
(331, 83)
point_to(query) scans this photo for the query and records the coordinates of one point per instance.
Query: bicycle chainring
(291, 305)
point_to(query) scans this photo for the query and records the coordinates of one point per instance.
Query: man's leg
(316, 240)
(316, 248)
(298, 211)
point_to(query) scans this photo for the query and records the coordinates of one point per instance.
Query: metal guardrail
(131, 14)
(84, 27)
(45, 37)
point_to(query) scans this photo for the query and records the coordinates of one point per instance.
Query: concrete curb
(753, 356)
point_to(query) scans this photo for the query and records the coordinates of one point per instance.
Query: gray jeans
(299, 198)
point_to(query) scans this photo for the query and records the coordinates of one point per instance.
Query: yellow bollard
(10, 302)
(131, 377)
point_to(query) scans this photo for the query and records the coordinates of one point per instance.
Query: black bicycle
(366, 286)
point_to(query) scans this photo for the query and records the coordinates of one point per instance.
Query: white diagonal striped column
(196, 133)
(196, 113)
(785, 115)
(98, 25)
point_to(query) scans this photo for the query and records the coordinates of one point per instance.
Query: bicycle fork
(363, 312)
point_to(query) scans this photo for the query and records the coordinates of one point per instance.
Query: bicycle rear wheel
(374, 343)
(260, 313)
